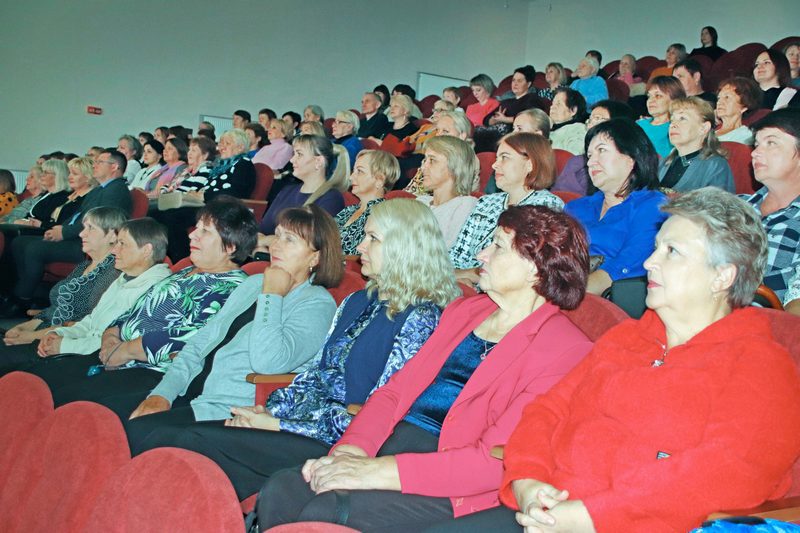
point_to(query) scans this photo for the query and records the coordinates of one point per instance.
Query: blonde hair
(460, 159)
(60, 170)
(286, 129)
(382, 163)
(349, 117)
(711, 145)
(405, 102)
(415, 266)
(337, 164)
(84, 166)
(314, 125)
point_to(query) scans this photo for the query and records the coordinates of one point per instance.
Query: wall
(149, 63)
(562, 30)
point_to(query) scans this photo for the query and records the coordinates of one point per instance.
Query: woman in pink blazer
(419, 451)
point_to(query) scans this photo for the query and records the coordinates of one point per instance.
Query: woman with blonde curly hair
(374, 333)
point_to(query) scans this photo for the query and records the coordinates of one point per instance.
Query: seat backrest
(264, 179)
(740, 161)
(596, 315)
(786, 330)
(399, 194)
(647, 64)
(426, 104)
(25, 400)
(610, 69)
(139, 203)
(351, 282)
(566, 196)
(60, 474)
(180, 265)
(562, 156)
(486, 159)
(369, 144)
(168, 489)
(786, 41)
(255, 267)
(311, 527)
(618, 90)
(350, 199)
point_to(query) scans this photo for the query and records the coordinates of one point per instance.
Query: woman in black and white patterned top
(76, 295)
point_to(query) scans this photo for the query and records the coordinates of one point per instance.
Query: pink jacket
(529, 360)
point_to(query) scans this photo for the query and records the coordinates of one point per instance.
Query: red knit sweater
(722, 414)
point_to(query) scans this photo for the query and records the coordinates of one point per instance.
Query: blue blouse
(362, 351)
(658, 135)
(625, 236)
(431, 407)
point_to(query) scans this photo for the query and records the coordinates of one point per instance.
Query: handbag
(175, 199)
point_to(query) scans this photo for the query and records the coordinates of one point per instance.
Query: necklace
(661, 360)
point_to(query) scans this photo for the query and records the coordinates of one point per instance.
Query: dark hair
(402, 88)
(207, 134)
(148, 231)
(632, 141)
(8, 178)
(556, 243)
(69, 156)
(597, 55)
(296, 118)
(159, 148)
(58, 154)
(714, 36)
(782, 68)
(259, 131)
(207, 146)
(242, 113)
(120, 160)
(750, 94)
(147, 136)
(616, 109)
(668, 84)
(206, 125)
(180, 145)
(235, 224)
(315, 226)
(181, 133)
(787, 120)
(162, 129)
(528, 71)
(691, 66)
(538, 151)
(269, 112)
(574, 100)
(384, 91)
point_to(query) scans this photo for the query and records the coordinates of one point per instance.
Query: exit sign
(92, 110)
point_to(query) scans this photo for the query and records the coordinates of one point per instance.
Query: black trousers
(32, 253)
(286, 497)
(497, 520)
(179, 417)
(178, 221)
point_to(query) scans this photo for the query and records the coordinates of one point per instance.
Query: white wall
(562, 30)
(149, 62)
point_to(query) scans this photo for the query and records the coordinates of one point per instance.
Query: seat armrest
(269, 378)
(785, 509)
(354, 408)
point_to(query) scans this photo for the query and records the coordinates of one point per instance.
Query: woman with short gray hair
(589, 84)
(345, 129)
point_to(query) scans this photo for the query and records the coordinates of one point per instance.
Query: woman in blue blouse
(141, 342)
(375, 331)
(75, 296)
(374, 174)
(623, 216)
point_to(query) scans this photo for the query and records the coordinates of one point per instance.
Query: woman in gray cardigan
(272, 323)
(697, 159)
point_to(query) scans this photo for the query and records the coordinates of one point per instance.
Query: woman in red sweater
(690, 410)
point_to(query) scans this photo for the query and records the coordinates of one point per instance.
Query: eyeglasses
(103, 161)
(340, 122)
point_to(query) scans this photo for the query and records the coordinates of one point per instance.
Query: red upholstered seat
(399, 194)
(426, 104)
(350, 199)
(180, 265)
(781, 44)
(255, 267)
(167, 489)
(610, 69)
(566, 196)
(264, 179)
(369, 144)
(25, 400)
(311, 527)
(63, 469)
(737, 62)
(139, 203)
(486, 159)
(596, 315)
(647, 64)
(740, 162)
(618, 90)
(351, 282)
(562, 156)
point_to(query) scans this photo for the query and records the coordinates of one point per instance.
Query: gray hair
(460, 159)
(540, 119)
(349, 117)
(238, 137)
(317, 110)
(61, 171)
(106, 218)
(148, 231)
(680, 49)
(482, 80)
(734, 236)
(133, 144)
(592, 62)
(460, 121)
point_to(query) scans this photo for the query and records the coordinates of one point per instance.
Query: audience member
(278, 152)
(33, 186)
(627, 70)
(374, 123)
(737, 98)
(175, 155)
(792, 53)
(451, 95)
(591, 86)
(773, 75)
(313, 113)
(623, 216)
(161, 133)
(417, 454)
(568, 116)
(675, 54)
(264, 116)
(257, 137)
(690, 75)
(152, 157)
(241, 118)
(8, 197)
(345, 127)
(709, 48)
(131, 148)
(697, 160)
(482, 88)
(661, 90)
(292, 119)
(374, 174)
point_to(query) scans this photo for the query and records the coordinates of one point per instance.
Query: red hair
(556, 243)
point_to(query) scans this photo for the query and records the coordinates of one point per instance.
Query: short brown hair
(207, 146)
(669, 85)
(538, 151)
(747, 90)
(315, 226)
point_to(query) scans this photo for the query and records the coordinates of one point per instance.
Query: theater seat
(566, 196)
(562, 156)
(25, 400)
(264, 179)
(350, 199)
(255, 267)
(167, 489)
(311, 527)
(140, 203)
(486, 159)
(740, 161)
(618, 90)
